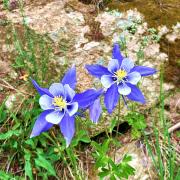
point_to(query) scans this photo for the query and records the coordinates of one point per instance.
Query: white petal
(72, 108)
(127, 64)
(46, 102)
(57, 89)
(55, 117)
(69, 93)
(113, 65)
(123, 89)
(134, 77)
(107, 81)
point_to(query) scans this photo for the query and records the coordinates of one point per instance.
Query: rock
(175, 34)
(163, 30)
(91, 45)
(10, 101)
(141, 162)
(66, 24)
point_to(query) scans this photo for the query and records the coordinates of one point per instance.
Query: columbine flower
(120, 78)
(60, 104)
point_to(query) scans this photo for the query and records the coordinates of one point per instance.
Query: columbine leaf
(83, 136)
(28, 168)
(41, 161)
(9, 134)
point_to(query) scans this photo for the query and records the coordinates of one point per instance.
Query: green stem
(119, 111)
(117, 130)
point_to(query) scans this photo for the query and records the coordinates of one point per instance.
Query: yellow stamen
(60, 102)
(120, 74)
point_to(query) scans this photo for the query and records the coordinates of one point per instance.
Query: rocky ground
(87, 37)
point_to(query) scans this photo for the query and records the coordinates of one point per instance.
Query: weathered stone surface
(67, 27)
(175, 34)
(141, 162)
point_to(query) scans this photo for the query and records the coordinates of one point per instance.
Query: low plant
(106, 165)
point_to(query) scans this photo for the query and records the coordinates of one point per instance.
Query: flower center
(120, 74)
(60, 102)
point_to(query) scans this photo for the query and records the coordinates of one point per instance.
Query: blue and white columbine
(60, 104)
(120, 78)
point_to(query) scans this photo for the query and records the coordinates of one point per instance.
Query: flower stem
(119, 111)
(117, 130)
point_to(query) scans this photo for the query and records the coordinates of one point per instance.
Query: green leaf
(3, 113)
(9, 176)
(96, 146)
(5, 176)
(105, 145)
(135, 133)
(31, 142)
(127, 158)
(138, 123)
(41, 161)
(28, 168)
(102, 161)
(113, 124)
(104, 173)
(82, 136)
(112, 177)
(9, 134)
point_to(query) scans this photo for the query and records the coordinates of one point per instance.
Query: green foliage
(6, 4)
(3, 112)
(9, 176)
(41, 161)
(154, 34)
(82, 136)
(28, 167)
(137, 122)
(163, 158)
(39, 153)
(105, 164)
(9, 134)
(33, 54)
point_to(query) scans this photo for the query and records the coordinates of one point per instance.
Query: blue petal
(133, 77)
(144, 71)
(41, 125)
(136, 94)
(55, 117)
(116, 54)
(111, 98)
(72, 108)
(107, 81)
(41, 90)
(95, 111)
(124, 89)
(57, 89)
(86, 98)
(69, 93)
(97, 70)
(67, 126)
(70, 78)
(113, 66)
(46, 102)
(127, 64)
